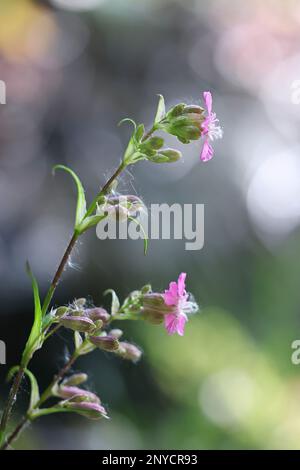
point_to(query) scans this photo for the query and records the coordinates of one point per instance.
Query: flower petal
(171, 295)
(181, 320)
(181, 284)
(171, 323)
(208, 100)
(207, 152)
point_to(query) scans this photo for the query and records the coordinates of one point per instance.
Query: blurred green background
(73, 69)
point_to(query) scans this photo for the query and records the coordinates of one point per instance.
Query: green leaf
(77, 339)
(132, 146)
(81, 202)
(143, 232)
(89, 222)
(34, 340)
(139, 133)
(35, 393)
(161, 110)
(128, 120)
(115, 304)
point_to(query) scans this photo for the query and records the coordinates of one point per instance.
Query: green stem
(10, 402)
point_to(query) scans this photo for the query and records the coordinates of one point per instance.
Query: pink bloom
(210, 128)
(177, 297)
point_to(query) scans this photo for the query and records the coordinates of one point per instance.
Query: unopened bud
(121, 207)
(60, 311)
(150, 146)
(107, 343)
(116, 333)
(75, 379)
(97, 313)
(88, 409)
(166, 156)
(129, 351)
(76, 394)
(82, 324)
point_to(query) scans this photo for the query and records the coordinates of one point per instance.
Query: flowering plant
(93, 326)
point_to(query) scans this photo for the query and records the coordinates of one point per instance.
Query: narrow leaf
(33, 342)
(115, 304)
(81, 202)
(161, 110)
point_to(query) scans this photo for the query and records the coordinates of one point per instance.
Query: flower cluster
(77, 399)
(170, 307)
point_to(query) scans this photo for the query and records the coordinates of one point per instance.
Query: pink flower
(210, 129)
(177, 297)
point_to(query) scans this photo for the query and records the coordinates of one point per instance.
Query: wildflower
(88, 409)
(177, 297)
(210, 128)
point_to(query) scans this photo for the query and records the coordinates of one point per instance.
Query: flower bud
(129, 351)
(60, 311)
(88, 409)
(97, 313)
(75, 379)
(166, 156)
(82, 324)
(150, 146)
(121, 207)
(116, 333)
(107, 343)
(74, 393)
